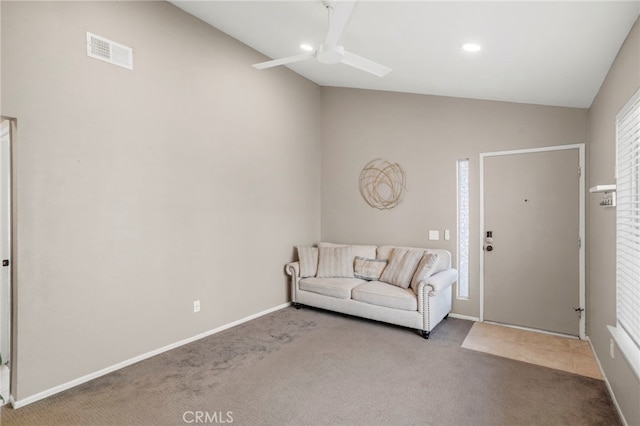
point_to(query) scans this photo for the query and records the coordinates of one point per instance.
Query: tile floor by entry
(561, 353)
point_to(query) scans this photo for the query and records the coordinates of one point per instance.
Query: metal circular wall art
(382, 184)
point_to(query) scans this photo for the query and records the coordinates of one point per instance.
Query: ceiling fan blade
(339, 20)
(283, 61)
(365, 64)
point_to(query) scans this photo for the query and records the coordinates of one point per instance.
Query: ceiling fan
(332, 51)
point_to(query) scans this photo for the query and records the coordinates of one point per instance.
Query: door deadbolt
(5, 262)
(489, 248)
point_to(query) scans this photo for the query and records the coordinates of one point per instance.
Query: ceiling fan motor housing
(330, 54)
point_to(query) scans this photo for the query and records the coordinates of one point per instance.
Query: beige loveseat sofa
(406, 286)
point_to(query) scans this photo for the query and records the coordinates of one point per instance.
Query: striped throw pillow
(308, 258)
(368, 269)
(426, 268)
(402, 266)
(335, 262)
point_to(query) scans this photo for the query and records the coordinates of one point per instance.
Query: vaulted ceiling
(540, 52)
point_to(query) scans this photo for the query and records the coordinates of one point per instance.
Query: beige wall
(138, 192)
(426, 135)
(621, 83)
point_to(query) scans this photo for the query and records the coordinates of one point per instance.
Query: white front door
(5, 255)
(532, 259)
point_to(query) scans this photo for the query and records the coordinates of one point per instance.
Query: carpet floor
(312, 367)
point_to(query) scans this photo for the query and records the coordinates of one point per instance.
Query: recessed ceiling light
(471, 47)
(306, 47)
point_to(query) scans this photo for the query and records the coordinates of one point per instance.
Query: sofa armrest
(293, 268)
(442, 280)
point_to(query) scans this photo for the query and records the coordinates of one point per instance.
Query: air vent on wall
(109, 51)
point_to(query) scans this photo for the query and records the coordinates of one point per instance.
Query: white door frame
(6, 317)
(581, 229)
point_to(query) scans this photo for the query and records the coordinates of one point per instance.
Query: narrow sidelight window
(463, 229)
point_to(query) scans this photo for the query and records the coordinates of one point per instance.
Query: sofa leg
(425, 333)
(446, 316)
(296, 305)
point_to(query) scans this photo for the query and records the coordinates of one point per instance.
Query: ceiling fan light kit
(332, 51)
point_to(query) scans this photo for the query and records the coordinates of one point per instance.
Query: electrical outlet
(611, 348)
(196, 306)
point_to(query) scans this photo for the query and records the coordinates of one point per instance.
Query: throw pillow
(335, 262)
(358, 250)
(402, 265)
(426, 268)
(368, 269)
(308, 258)
(384, 252)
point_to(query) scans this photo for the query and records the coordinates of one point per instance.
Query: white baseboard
(606, 381)
(57, 389)
(464, 317)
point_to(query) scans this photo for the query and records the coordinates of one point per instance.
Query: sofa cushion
(368, 269)
(387, 295)
(358, 250)
(308, 258)
(426, 268)
(402, 266)
(334, 287)
(335, 262)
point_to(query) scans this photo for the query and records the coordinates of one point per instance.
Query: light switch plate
(447, 235)
(434, 235)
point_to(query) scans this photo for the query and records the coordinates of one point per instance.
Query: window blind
(628, 219)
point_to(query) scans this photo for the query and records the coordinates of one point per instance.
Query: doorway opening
(7, 135)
